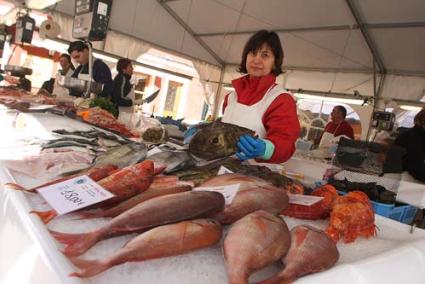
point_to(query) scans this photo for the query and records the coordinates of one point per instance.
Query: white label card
(74, 194)
(223, 170)
(102, 9)
(228, 191)
(306, 200)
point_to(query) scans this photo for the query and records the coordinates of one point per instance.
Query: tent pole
(217, 95)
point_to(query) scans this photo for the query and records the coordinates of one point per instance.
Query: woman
(259, 104)
(67, 71)
(413, 141)
(123, 94)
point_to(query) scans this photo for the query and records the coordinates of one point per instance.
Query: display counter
(29, 254)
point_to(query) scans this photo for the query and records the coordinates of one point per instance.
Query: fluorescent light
(5, 8)
(408, 107)
(329, 99)
(228, 88)
(40, 4)
(105, 57)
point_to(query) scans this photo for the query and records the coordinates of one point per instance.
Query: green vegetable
(105, 104)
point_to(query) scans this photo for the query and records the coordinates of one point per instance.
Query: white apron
(126, 113)
(327, 138)
(251, 116)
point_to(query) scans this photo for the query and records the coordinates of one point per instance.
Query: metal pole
(217, 95)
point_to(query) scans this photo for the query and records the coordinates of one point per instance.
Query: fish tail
(88, 268)
(45, 216)
(77, 244)
(16, 186)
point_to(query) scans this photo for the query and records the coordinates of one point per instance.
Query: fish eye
(215, 140)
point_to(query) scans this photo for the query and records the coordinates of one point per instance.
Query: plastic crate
(403, 213)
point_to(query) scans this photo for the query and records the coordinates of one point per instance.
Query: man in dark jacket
(79, 51)
(123, 93)
(413, 140)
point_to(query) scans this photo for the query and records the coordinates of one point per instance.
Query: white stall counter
(29, 254)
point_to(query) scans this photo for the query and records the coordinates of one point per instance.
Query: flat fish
(123, 156)
(174, 160)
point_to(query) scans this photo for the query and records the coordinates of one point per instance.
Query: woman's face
(128, 70)
(64, 63)
(260, 62)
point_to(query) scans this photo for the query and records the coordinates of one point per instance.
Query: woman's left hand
(250, 147)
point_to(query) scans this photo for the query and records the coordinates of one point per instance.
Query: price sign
(228, 191)
(223, 170)
(306, 200)
(74, 194)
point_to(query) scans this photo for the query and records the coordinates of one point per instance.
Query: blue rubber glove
(250, 147)
(188, 135)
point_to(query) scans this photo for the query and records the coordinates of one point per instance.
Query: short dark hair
(342, 110)
(77, 46)
(419, 119)
(64, 55)
(122, 64)
(254, 44)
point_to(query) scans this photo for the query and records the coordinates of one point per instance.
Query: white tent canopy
(330, 45)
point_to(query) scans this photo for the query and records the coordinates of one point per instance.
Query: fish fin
(45, 216)
(77, 244)
(276, 279)
(16, 186)
(88, 268)
(90, 215)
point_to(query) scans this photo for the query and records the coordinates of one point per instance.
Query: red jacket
(280, 119)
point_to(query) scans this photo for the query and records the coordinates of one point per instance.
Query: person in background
(336, 127)
(48, 85)
(24, 83)
(413, 141)
(79, 51)
(123, 92)
(261, 105)
(67, 69)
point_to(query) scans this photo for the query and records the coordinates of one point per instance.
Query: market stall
(396, 247)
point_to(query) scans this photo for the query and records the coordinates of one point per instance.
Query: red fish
(161, 185)
(123, 183)
(159, 242)
(253, 242)
(95, 173)
(254, 194)
(311, 250)
(151, 213)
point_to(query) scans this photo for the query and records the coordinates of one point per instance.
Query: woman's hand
(250, 147)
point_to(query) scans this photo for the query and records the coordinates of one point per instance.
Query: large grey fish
(151, 213)
(123, 156)
(174, 160)
(216, 140)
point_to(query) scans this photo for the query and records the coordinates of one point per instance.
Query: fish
(161, 185)
(175, 160)
(123, 183)
(95, 173)
(311, 250)
(275, 178)
(162, 241)
(151, 213)
(91, 142)
(123, 156)
(253, 242)
(254, 194)
(216, 140)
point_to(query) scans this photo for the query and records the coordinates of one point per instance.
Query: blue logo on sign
(79, 181)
